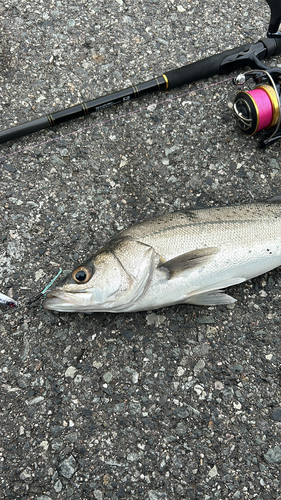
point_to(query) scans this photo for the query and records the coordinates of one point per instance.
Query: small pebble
(70, 372)
(68, 467)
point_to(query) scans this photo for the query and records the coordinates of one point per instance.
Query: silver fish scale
(177, 233)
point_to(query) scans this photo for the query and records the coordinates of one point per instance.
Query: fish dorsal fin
(188, 260)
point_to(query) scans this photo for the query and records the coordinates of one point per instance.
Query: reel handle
(275, 19)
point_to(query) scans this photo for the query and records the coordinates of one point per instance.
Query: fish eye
(82, 274)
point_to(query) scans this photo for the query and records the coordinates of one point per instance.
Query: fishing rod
(248, 55)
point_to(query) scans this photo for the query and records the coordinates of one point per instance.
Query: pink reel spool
(256, 109)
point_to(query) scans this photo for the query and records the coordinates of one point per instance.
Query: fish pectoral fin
(213, 295)
(188, 260)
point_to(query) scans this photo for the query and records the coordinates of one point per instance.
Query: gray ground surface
(182, 403)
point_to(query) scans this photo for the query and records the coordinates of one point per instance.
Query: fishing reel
(259, 109)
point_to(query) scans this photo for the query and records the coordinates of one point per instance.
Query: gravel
(178, 403)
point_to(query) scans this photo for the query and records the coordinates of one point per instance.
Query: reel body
(259, 109)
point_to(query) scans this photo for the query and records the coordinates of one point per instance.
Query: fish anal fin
(275, 199)
(214, 295)
(188, 260)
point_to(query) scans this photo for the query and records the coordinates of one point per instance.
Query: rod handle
(226, 61)
(202, 69)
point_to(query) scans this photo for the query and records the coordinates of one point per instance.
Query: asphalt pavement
(181, 403)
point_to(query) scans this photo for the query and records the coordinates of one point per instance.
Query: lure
(7, 301)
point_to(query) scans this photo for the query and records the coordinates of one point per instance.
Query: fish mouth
(58, 300)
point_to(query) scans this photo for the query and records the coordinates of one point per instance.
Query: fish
(185, 257)
(7, 301)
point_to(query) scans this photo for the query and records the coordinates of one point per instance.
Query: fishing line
(45, 289)
(118, 117)
(263, 106)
